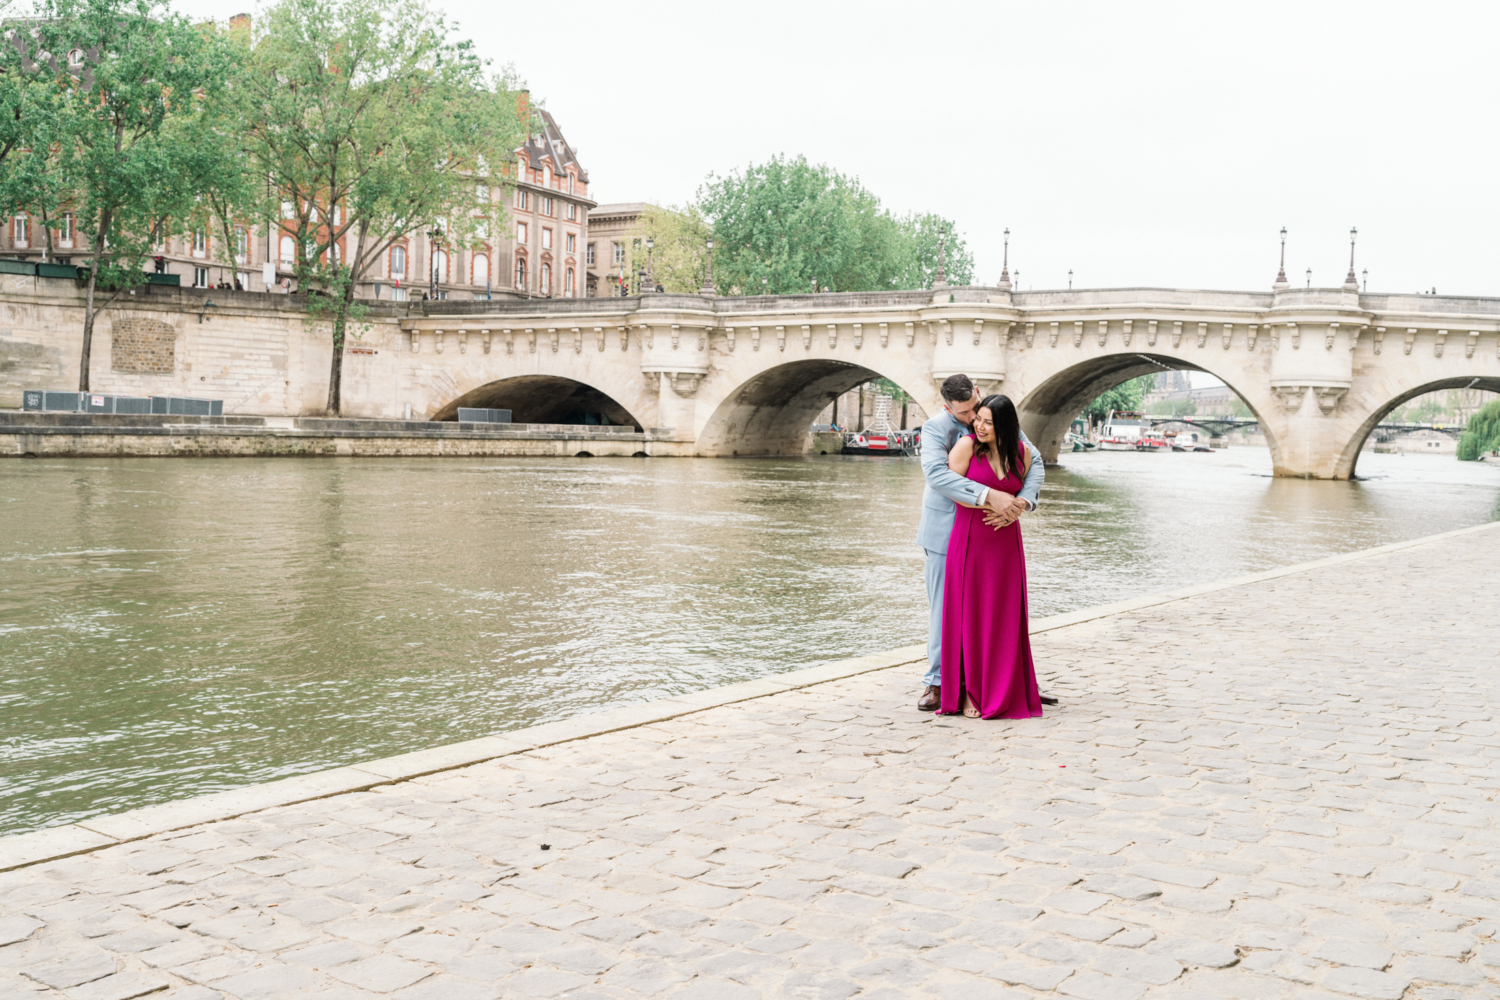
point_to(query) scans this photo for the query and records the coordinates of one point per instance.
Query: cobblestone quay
(1276, 788)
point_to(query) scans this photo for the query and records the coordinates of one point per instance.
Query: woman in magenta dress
(986, 660)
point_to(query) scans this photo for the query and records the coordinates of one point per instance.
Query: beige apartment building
(614, 236)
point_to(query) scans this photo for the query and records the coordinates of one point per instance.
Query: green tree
(1482, 433)
(122, 130)
(679, 248)
(373, 124)
(787, 227)
(1125, 396)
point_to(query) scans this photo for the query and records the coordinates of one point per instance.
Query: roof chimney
(240, 22)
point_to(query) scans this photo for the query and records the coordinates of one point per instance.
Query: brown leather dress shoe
(931, 698)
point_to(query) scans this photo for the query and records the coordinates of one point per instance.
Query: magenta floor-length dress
(986, 635)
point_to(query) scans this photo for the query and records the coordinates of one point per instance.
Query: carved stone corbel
(1354, 336)
(1202, 334)
(624, 337)
(885, 334)
(1290, 396)
(1126, 334)
(531, 338)
(552, 338)
(703, 333)
(1052, 337)
(510, 340)
(1439, 343)
(577, 339)
(806, 338)
(1103, 331)
(599, 337)
(1078, 333)
(1329, 396)
(437, 337)
(859, 336)
(485, 337)
(911, 334)
(1177, 333)
(978, 331)
(781, 338)
(1473, 343)
(415, 337)
(1250, 336)
(653, 381)
(1328, 338)
(1379, 337)
(1005, 329)
(729, 338)
(676, 335)
(947, 331)
(1296, 336)
(1030, 334)
(685, 384)
(833, 335)
(463, 340)
(1411, 338)
(1150, 333)
(1228, 334)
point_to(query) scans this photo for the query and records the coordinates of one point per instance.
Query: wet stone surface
(1285, 790)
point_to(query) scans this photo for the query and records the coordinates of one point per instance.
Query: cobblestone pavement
(1283, 790)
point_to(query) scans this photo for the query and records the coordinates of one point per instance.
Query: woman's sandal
(971, 710)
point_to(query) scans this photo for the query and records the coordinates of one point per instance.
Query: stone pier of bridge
(741, 376)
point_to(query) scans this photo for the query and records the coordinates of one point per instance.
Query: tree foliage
(678, 253)
(1482, 434)
(373, 124)
(114, 135)
(788, 227)
(1125, 396)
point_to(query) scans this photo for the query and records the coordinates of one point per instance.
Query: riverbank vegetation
(1482, 435)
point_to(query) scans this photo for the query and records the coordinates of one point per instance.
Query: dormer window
(75, 58)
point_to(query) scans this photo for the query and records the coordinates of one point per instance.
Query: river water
(174, 627)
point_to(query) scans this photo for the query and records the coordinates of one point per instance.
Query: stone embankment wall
(255, 351)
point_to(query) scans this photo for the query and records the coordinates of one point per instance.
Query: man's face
(964, 412)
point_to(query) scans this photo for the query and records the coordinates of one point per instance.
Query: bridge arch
(1048, 409)
(544, 399)
(769, 413)
(1349, 457)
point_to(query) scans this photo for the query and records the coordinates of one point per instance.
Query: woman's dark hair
(1007, 431)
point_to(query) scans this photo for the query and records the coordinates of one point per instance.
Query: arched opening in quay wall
(1048, 411)
(772, 412)
(544, 399)
(1349, 457)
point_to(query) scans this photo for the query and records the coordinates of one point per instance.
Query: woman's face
(984, 425)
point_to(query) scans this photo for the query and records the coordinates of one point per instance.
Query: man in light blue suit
(944, 488)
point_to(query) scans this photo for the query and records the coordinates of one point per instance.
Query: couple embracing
(982, 475)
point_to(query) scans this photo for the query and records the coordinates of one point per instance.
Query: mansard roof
(549, 143)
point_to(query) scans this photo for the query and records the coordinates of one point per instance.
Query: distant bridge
(1384, 431)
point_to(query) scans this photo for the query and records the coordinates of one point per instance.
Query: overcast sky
(1136, 143)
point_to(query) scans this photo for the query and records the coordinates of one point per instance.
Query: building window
(523, 199)
(520, 272)
(619, 253)
(65, 231)
(546, 285)
(481, 269)
(570, 184)
(572, 212)
(21, 230)
(286, 210)
(200, 277)
(288, 251)
(521, 234)
(241, 244)
(570, 243)
(200, 243)
(75, 57)
(482, 193)
(591, 255)
(547, 206)
(546, 238)
(398, 295)
(568, 283)
(547, 179)
(398, 262)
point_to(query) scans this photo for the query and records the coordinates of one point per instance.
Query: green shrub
(1482, 435)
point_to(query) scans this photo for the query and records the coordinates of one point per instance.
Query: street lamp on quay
(650, 265)
(708, 271)
(1366, 275)
(1309, 277)
(1070, 279)
(434, 238)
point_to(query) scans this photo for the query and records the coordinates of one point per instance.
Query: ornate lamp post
(1366, 275)
(434, 236)
(940, 280)
(1070, 279)
(1309, 277)
(1351, 283)
(650, 264)
(708, 271)
(763, 282)
(1281, 281)
(1005, 265)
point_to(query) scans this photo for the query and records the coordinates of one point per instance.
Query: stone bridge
(746, 376)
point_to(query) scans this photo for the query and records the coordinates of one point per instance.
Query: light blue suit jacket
(944, 486)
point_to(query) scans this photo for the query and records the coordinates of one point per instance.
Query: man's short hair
(958, 388)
